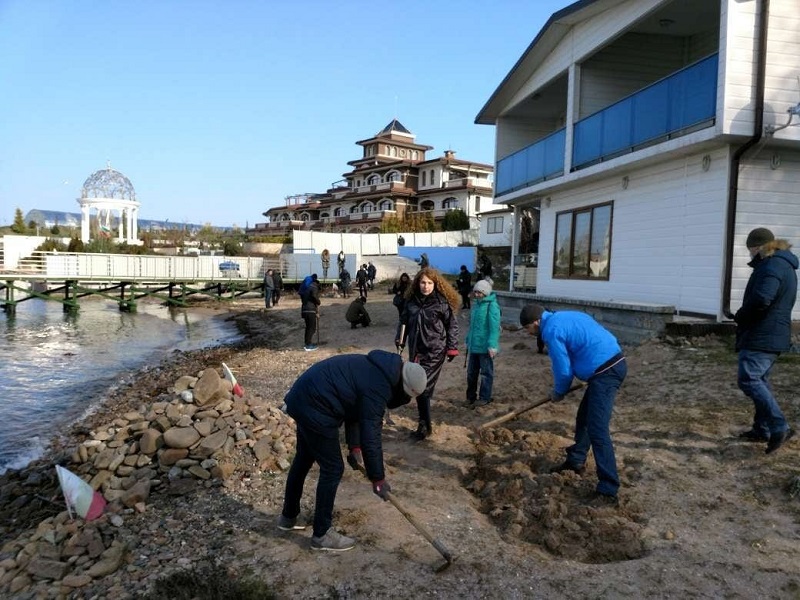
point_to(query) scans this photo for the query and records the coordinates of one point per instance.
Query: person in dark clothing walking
(345, 282)
(580, 347)
(276, 293)
(484, 266)
(430, 328)
(332, 393)
(269, 288)
(309, 310)
(357, 314)
(399, 290)
(464, 286)
(764, 330)
(372, 272)
(340, 260)
(361, 280)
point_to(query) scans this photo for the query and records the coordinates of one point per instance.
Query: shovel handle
(440, 547)
(517, 412)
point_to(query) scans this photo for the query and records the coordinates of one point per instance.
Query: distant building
(393, 178)
(48, 218)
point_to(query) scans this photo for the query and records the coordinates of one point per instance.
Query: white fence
(372, 244)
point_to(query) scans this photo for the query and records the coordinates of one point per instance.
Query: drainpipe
(733, 175)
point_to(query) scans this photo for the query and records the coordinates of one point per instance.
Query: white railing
(468, 181)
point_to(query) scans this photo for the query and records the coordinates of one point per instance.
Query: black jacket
(431, 327)
(355, 311)
(464, 282)
(764, 322)
(310, 299)
(354, 390)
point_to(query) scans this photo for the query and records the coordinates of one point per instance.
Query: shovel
(435, 542)
(517, 412)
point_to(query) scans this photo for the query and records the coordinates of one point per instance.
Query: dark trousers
(362, 289)
(480, 365)
(268, 292)
(313, 448)
(592, 427)
(433, 369)
(465, 301)
(311, 327)
(276, 295)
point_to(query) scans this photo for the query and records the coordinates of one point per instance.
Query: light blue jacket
(484, 325)
(577, 345)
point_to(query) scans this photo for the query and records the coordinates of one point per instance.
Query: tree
(19, 222)
(455, 220)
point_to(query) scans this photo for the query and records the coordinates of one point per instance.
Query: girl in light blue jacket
(483, 343)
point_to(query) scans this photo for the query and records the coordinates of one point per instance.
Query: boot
(423, 431)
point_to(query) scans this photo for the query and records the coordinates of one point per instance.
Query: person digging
(329, 394)
(580, 347)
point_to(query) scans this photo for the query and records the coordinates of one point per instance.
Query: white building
(653, 135)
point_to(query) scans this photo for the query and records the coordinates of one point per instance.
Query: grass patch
(209, 582)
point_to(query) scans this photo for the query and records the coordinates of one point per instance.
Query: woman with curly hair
(429, 326)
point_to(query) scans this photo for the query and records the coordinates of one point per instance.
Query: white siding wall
(515, 134)
(783, 67)
(583, 40)
(767, 198)
(497, 239)
(667, 235)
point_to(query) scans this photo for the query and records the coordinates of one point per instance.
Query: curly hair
(440, 284)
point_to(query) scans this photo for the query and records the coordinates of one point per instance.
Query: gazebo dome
(108, 183)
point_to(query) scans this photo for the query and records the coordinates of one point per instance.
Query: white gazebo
(112, 196)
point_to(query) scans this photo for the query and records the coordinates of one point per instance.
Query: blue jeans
(753, 380)
(268, 297)
(592, 427)
(483, 365)
(311, 448)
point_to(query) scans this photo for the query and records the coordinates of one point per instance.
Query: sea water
(56, 367)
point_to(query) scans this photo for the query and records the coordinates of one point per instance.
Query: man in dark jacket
(309, 310)
(361, 280)
(372, 272)
(764, 330)
(354, 390)
(276, 293)
(269, 288)
(357, 314)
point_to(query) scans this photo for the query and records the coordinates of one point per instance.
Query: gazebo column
(121, 228)
(85, 222)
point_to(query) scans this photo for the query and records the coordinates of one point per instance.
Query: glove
(382, 489)
(355, 459)
(451, 354)
(556, 397)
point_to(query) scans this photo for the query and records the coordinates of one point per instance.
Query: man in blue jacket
(580, 347)
(349, 389)
(764, 330)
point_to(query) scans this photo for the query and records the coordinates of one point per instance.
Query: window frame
(573, 214)
(490, 221)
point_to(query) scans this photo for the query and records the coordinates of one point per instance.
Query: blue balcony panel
(539, 161)
(664, 109)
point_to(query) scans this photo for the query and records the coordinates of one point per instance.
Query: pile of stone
(198, 431)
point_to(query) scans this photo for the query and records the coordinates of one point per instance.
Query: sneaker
(568, 466)
(333, 541)
(287, 524)
(470, 403)
(751, 435)
(309, 348)
(776, 440)
(600, 500)
(423, 431)
(480, 403)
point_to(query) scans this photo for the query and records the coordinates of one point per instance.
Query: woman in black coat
(430, 327)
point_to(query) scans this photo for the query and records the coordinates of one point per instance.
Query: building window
(373, 179)
(426, 205)
(583, 243)
(494, 225)
(414, 155)
(450, 203)
(386, 205)
(338, 212)
(433, 178)
(393, 176)
(424, 178)
(367, 207)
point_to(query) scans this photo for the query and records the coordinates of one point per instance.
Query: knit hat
(483, 286)
(415, 380)
(758, 237)
(530, 313)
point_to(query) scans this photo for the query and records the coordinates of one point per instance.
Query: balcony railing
(537, 162)
(380, 187)
(672, 106)
(468, 181)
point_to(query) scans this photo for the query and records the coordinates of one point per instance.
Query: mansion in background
(393, 178)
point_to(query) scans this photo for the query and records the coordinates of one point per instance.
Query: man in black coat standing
(764, 330)
(354, 390)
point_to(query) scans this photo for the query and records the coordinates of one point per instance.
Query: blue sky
(218, 110)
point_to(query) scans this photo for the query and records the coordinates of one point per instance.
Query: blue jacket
(350, 389)
(484, 325)
(577, 345)
(764, 322)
